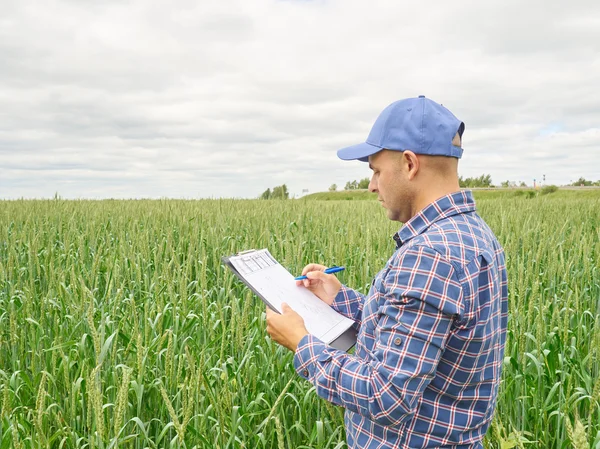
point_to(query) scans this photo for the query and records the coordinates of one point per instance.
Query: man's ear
(411, 164)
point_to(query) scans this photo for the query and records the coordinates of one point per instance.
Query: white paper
(277, 285)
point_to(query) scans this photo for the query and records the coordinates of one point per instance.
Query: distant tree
(486, 180)
(280, 193)
(522, 184)
(363, 183)
(333, 187)
(277, 193)
(505, 184)
(582, 182)
(266, 195)
(351, 185)
(481, 181)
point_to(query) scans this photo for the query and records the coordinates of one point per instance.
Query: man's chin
(393, 215)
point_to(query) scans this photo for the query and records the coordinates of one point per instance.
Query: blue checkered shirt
(431, 337)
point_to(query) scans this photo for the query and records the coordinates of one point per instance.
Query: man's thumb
(285, 308)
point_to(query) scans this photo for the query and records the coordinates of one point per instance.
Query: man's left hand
(286, 328)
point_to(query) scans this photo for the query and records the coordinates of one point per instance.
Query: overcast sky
(191, 99)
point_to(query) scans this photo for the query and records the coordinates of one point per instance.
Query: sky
(203, 99)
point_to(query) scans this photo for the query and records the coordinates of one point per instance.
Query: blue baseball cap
(417, 124)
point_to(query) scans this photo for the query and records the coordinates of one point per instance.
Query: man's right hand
(325, 286)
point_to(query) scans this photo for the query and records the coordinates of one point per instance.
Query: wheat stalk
(96, 400)
(121, 403)
(174, 418)
(39, 408)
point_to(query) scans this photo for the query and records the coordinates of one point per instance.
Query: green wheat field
(121, 328)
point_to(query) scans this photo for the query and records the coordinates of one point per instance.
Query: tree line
(484, 180)
(281, 192)
(352, 185)
(582, 182)
(481, 181)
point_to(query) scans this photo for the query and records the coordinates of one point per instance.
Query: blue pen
(327, 271)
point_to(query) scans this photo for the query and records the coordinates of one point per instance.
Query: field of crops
(119, 326)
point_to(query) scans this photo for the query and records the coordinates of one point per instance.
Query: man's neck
(427, 196)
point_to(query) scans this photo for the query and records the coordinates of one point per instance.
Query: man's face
(390, 182)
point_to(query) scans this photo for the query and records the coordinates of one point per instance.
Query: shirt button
(305, 373)
(397, 341)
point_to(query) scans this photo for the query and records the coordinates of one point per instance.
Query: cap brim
(362, 151)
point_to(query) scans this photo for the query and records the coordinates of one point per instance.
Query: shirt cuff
(348, 303)
(309, 351)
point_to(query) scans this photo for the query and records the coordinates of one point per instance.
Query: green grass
(119, 326)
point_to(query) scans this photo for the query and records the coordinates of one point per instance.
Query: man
(432, 330)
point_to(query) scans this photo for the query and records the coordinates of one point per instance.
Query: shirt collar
(444, 207)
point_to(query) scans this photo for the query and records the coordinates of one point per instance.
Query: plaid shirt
(428, 358)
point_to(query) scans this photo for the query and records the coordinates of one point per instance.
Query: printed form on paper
(276, 285)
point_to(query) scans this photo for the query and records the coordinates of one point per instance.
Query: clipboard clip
(248, 251)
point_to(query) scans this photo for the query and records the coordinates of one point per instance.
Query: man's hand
(286, 329)
(324, 286)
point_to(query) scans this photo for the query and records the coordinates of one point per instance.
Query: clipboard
(272, 283)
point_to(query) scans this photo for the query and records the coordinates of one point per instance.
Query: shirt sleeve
(349, 303)
(422, 299)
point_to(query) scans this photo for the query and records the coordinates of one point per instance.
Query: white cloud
(207, 99)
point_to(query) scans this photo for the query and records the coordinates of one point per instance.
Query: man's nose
(372, 185)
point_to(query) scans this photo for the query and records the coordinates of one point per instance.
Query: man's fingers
(313, 267)
(316, 275)
(306, 269)
(313, 278)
